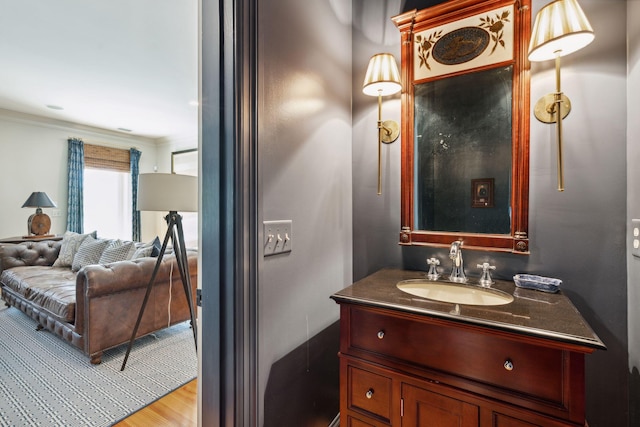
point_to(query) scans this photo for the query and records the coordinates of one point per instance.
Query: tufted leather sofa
(96, 308)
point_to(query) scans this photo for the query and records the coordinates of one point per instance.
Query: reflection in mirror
(463, 152)
(465, 125)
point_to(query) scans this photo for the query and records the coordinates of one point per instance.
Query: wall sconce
(560, 28)
(39, 223)
(383, 79)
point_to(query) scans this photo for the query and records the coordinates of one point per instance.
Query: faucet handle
(485, 279)
(433, 272)
(486, 266)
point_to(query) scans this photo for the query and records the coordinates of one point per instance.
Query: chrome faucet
(457, 270)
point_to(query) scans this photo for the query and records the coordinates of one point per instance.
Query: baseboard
(336, 421)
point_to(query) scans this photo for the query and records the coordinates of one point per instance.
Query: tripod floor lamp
(172, 193)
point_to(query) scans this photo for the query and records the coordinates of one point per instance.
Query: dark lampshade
(39, 199)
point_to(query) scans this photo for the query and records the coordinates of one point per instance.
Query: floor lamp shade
(167, 192)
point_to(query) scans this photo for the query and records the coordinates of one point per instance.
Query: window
(107, 203)
(107, 192)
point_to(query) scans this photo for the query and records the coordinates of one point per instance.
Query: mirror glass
(465, 125)
(463, 152)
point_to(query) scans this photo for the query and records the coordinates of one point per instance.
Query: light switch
(635, 237)
(278, 237)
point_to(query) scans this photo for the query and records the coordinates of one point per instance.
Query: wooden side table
(20, 239)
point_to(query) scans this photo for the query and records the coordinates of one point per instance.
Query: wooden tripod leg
(171, 224)
(183, 267)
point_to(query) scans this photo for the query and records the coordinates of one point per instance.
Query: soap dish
(539, 283)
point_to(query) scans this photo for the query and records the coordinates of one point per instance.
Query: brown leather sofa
(96, 308)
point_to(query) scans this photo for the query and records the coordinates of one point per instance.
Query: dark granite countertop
(534, 313)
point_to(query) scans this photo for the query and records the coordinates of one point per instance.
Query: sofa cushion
(117, 250)
(89, 252)
(70, 243)
(53, 289)
(151, 248)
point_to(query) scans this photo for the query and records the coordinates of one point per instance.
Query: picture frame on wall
(185, 162)
(482, 193)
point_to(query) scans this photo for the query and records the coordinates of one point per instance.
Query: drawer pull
(369, 393)
(380, 334)
(508, 365)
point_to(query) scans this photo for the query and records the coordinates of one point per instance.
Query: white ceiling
(109, 63)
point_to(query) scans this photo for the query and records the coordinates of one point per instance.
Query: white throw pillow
(71, 241)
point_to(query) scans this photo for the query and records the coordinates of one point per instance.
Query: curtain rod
(101, 144)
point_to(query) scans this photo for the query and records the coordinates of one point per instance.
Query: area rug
(46, 382)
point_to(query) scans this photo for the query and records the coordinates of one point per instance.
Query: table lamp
(39, 223)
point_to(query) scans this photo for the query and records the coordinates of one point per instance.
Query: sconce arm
(558, 114)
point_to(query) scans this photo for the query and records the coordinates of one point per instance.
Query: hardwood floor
(177, 409)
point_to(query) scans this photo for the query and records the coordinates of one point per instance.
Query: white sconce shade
(167, 192)
(383, 77)
(560, 28)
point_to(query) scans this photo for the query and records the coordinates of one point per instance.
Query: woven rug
(45, 381)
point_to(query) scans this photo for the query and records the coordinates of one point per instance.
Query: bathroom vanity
(412, 361)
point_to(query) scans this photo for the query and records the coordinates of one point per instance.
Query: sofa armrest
(99, 280)
(42, 253)
(122, 283)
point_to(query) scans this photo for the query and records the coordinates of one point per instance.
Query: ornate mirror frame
(415, 22)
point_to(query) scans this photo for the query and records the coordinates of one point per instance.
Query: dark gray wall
(304, 156)
(376, 217)
(578, 235)
(633, 203)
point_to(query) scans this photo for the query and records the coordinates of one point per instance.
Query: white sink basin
(454, 293)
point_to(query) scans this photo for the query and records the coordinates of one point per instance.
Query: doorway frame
(227, 389)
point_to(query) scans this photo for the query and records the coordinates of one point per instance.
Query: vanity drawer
(461, 351)
(369, 392)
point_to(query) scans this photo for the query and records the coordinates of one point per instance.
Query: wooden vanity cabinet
(405, 369)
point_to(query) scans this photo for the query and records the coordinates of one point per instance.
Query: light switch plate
(278, 237)
(635, 237)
